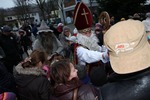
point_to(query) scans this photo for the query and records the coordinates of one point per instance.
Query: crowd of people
(79, 64)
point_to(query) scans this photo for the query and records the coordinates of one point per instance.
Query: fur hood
(29, 71)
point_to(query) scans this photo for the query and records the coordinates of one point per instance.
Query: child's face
(73, 72)
(66, 33)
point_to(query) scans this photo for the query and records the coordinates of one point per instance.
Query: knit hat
(99, 26)
(129, 50)
(60, 24)
(66, 28)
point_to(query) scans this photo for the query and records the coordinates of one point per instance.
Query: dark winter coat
(25, 42)
(32, 84)
(7, 81)
(10, 47)
(65, 91)
(135, 86)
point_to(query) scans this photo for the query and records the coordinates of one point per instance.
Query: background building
(70, 4)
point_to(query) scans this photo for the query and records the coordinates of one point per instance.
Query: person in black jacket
(9, 44)
(129, 53)
(7, 82)
(65, 82)
(24, 41)
(31, 80)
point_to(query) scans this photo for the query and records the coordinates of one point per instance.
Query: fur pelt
(29, 71)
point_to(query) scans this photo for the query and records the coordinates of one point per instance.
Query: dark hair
(34, 59)
(60, 72)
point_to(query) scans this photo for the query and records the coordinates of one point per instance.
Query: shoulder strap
(75, 93)
(75, 53)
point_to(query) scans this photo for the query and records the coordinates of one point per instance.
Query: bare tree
(51, 5)
(61, 7)
(91, 2)
(2, 15)
(22, 9)
(46, 6)
(41, 4)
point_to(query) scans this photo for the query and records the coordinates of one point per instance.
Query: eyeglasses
(85, 30)
(66, 31)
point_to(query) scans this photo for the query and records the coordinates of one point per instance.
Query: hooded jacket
(32, 83)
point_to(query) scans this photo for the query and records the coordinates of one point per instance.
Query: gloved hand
(104, 48)
(105, 56)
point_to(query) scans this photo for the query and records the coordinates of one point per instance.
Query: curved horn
(104, 19)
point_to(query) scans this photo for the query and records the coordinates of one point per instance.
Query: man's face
(87, 33)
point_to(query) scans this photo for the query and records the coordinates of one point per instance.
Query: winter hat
(44, 28)
(83, 18)
(60, 24)
(129, 50)
(98, 26)
(66, 28)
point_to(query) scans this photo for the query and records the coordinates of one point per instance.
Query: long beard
(89, 42)
(47, 43)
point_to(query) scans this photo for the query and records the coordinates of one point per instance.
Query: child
(66, 85)
(31, 79)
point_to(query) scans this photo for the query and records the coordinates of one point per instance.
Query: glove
(105, 56)
(104, 48)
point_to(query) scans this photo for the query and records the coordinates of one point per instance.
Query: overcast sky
(9, 3)
(6, 3)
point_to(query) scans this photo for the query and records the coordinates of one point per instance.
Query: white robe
(89, 56)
